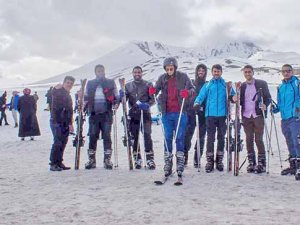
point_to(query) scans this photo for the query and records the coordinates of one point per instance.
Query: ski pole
(198, 142)
(177, 127)
(142, 131)
(277, 140)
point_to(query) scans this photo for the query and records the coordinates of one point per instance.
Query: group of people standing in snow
(183, 103)
(26, 106)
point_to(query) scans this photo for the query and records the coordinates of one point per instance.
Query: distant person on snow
(61, 122)
(3, 107)
(288, 104)
(36, 97)
(13, 106)
(101, 96)
(28, 126)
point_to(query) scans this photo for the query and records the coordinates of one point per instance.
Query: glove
(110, 98)
(274, 109)
(121, 93)
(143, 105)
(196, 107)
(152, 90)
(184, 93)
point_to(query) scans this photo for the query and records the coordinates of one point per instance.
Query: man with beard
(101, 96)
(200, 80)
(137, 94)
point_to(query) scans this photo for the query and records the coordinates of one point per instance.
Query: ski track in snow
(31, 194)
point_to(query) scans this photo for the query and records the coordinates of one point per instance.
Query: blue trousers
(291, 129)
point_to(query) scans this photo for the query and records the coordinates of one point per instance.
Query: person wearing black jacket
(61, 122)
(139, 99)
(200, 80)
(254, 98)
(3, 108)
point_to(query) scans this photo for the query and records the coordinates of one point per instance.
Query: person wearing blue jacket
(213, 94)
(13, 106)
(288, 104)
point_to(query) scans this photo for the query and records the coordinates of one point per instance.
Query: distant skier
(199, 82)
(28, 126)
(13, 107)
(3, 107)
(288, 100)
(213, 94)
(61, 122)
(101, 96)
(36, 97)
(252, 117)
(175, 86)
(137, 94)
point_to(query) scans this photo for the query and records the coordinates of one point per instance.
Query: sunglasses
(169, 69)
(286, 71)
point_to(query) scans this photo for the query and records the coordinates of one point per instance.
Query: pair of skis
(233, 143)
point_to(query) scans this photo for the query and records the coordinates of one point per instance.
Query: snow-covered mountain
(150, 55)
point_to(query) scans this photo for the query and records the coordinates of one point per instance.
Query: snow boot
(107, 159)
(180, 162)
(91, 164)
(297, 175)
(290, 170)
(252, 163)
(261, 164)
(209, 167)
(168, 157)
(16, 125)
(61, 165)
(219, 161)
(150, 160)
(55, 167)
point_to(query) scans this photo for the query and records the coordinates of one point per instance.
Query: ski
(126, 138)
(229, 138)
(237, 132)
(78, 142)
(179, 182)
(163, 180)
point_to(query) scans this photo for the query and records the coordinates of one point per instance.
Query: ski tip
(158, 182)
(178, 183)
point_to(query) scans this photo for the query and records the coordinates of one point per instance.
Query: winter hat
(170, 61)
(26, 91)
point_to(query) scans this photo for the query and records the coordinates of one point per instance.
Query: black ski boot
(290, 170)
(209, 167)
(168, 157)
(150, 160)
(180, 163)
(186, 158)
(91, 164)
(219, 161)
(252, 163)
(261, 164)
(297, 175)
(107, 159)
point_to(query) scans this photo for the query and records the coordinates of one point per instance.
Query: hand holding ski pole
(152, 90)
(184, 93)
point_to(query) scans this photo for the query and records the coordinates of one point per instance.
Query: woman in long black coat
(28, 126)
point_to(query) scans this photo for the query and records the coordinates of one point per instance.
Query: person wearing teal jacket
(288, 104)
(213, 94)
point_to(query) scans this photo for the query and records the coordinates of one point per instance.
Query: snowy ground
(30, 194)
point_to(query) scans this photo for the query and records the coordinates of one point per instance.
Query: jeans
(291, 129)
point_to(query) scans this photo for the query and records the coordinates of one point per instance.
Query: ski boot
(219, 162)
(168, 163)
(290, 170)
(107, 159)
(209, 167)
(91, 164)
(137, 160)
(150, 160)
(297, 175)
(180, 163)
(55, 167)
(261, 164)
(252, 163)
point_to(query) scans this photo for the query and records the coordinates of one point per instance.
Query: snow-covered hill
(150, 55)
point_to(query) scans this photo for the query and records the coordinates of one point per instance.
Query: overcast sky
(39, 38)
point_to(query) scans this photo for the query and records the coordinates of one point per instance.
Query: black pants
(60, 139)
(100, 122)
(134, 126)
(3, 117)
(214, 124)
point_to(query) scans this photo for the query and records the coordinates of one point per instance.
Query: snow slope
(31, 194)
